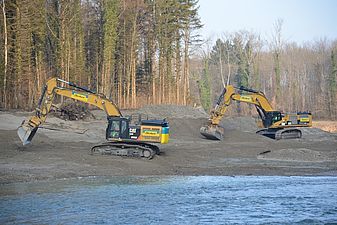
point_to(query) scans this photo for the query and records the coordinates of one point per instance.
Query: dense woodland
(135, 52)
(139, 52)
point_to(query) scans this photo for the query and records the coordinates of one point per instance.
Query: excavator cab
(271, 118)
(118, 128)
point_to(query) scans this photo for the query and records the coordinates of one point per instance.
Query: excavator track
(278, 134)
(126, 149)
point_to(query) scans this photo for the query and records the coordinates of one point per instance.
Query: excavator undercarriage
(215, 132)
(126, 149)
(282, 133)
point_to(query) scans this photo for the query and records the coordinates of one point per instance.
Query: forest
(135, 52)
(139, 52)
(295, 78)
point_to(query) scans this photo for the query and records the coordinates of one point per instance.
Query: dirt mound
(316, 134)
(173, 111)
(246, 124)
(72, 110)
(188, 129)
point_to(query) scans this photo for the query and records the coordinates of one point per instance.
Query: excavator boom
(53, 87)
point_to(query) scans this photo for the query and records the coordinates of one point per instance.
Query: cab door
(118, 128)
(124, 128)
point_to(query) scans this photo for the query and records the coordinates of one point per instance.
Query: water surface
(172, 200)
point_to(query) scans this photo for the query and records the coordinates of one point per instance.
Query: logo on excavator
(151, 131)
(245, 98)
(304, 119)
(79, 96)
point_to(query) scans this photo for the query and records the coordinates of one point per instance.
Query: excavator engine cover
(214, 132)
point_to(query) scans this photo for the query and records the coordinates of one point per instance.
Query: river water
(172, 200)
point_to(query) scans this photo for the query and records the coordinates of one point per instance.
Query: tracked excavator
(123, 138)
(275, 124)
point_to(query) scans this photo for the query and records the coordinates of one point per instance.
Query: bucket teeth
(213, 132)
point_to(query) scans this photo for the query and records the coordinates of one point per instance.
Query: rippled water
(172, 200)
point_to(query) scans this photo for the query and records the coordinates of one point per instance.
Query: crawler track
(126, 149)
(278, 134)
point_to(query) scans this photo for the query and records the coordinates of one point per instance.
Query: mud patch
(297, 155)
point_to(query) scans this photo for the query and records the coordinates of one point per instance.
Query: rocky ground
(61, 149)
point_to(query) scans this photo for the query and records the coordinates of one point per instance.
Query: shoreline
(63, 153)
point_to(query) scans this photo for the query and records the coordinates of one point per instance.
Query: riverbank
(61, 149)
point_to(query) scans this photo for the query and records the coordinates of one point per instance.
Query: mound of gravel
(316, 134)
(243, 123)
(173, 111)
(72, 110)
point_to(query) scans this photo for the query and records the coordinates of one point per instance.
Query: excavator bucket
(26, 133)
(213, 132)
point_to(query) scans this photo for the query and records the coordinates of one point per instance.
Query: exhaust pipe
(26, 133)
(213, 132)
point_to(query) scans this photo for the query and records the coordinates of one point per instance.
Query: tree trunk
(186, 68)
(178, 71)
(133, 62)
(5, 55)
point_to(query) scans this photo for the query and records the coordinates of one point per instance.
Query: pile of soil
(245, 124)
(72, 110)
(173, 111)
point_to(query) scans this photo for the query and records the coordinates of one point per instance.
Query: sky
(303, 20)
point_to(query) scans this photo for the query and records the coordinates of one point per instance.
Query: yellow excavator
(123, 139)
(275, 124)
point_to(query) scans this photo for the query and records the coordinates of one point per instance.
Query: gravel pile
(173, 111)
(72, 110)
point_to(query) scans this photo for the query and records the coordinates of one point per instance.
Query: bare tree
(277, 46)
(5, 55)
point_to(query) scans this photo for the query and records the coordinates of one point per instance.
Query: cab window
(114, 132)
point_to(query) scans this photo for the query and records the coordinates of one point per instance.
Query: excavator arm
(228, 95)
(54, 87)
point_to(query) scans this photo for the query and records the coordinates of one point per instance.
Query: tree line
(293, 77)
(135, 52)
(138, 52)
